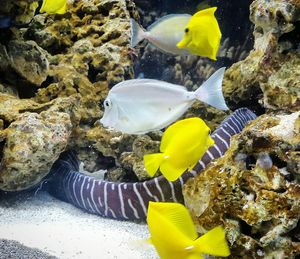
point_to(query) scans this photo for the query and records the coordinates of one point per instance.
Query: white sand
(62, 230)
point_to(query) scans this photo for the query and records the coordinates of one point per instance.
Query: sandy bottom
(58, 228)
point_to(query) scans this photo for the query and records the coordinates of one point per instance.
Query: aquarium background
(56, 71)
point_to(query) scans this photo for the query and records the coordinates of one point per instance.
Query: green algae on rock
(259, 208)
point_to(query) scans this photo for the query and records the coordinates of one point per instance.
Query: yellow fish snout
(185, 41)
(202, 35)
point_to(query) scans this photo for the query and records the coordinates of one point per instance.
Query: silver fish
(138, 106)
(164, 34)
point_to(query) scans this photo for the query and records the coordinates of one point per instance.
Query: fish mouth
(183, 43)
(103, 122)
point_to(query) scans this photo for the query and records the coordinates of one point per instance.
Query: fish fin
(137, 33)
(143, 244)
(42, 9)
(152, 162)
(167, 17)
(210, 91)
(177, 215)
(62, 10)
(184, 42)
(194, 256)
(209, 11)
(210, 141)
(170, 172)
(213, 243)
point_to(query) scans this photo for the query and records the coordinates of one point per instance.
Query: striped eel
(129, 201)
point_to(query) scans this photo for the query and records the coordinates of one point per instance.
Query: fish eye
(107, 104)
(186, 30)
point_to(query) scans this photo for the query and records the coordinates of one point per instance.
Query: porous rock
(33, 141)
(58, 59)
(259, 207)
(26, 60)
(270, 71)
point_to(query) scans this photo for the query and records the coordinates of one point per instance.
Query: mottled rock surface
(259, 206)
(24, 63)
(270, 72)
(46, 67)
(33, 140)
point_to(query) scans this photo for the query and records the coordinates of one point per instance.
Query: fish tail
(210, 91)
(213, 243)
(137, 33)
(152, 162)
(62, 10)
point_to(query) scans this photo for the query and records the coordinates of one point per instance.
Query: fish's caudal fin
(137, 33)
(152, 162)
(210, 91)
(213, 243)
(63, 9)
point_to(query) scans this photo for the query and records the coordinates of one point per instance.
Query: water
(71, 188)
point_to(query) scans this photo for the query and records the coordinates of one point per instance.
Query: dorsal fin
(208, 12)
(166, 17)
(145, 81)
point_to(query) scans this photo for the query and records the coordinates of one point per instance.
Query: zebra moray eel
(129, 201)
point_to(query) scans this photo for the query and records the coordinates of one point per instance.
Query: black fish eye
(106, 103)
(186, 30)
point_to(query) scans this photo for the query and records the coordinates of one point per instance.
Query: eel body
(129, 201)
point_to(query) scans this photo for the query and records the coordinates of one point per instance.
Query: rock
(80, 54)
(89, 48)
(8, 89)
(282, 89)
(21, 11)
(270, 71)
(11, 107)
(34, 138)
(143, 144)
(259, 207)
(26, 60)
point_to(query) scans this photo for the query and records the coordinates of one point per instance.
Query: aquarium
(149, 129)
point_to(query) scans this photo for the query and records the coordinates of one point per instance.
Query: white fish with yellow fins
(54, 6)
(202, 34)
(174, 236)
(182, 34)
(182, 145)
(164, 34)
(139, 106)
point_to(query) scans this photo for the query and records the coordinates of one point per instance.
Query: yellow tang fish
(54, 6)
(174, 236)
(182, 145)
(202, 34)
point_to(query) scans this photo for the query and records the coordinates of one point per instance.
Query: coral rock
(270, 72)
(27, 60)
(33, 143)
(32, 136)
(260, 207)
